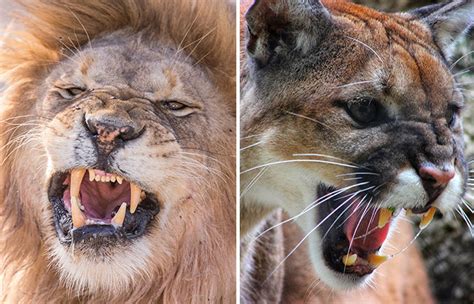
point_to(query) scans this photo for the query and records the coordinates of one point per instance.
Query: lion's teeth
(135, 193)
(427, 217)
(78, 218)
(349, 259)
(119, 179)
(375, 260)
(91, 174)
(113, 179)
(120, 215)
(384, 217)
(97, 178)
(76, 180)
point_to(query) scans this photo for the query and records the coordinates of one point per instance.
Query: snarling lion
(118, 138)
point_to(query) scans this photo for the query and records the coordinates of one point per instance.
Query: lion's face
(126, 128)
(350, 135)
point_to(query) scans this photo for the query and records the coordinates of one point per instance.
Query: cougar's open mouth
(353, 231)
(91, 205)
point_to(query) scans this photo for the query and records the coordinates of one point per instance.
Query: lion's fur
(51, 31)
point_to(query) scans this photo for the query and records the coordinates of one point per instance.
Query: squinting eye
(173, 105)
(74, 91)
(451, 116)
(362, 111)
(70, 93)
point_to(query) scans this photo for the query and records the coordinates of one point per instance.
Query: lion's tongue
(368, 236)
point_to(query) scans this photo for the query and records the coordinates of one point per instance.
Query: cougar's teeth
(135, 193)
(76, 180)
(349, 259)
(91, 175)
(120, 215)
(375, 260)
(119, 179)
(427, 218)
(384, 217)
(78, 218)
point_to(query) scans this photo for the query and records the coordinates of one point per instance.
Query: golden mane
(52, 30)
(205, 30)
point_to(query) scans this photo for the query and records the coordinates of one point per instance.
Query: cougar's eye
(363, 111)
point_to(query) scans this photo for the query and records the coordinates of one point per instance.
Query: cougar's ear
(448, 21)
(278, 26)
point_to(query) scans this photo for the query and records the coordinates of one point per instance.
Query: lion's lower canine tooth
(91, 175)
(384, 217)
(349, 259)
(375, 260)
(427, 217)
(135, 193)
(119, 179)
(76, 179)
(120, 215)
(78, 218)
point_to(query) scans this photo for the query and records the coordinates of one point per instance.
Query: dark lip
(335, 243)
(134, 226)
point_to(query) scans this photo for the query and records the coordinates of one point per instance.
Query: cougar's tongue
(368, 236)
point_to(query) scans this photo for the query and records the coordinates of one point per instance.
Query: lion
(118, 153)
(350, 122)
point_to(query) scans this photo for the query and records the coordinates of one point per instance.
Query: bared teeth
(384, 217)
(375, 260)
(427, 218)
(113, 179)
(135, 197)
(76, 179)
(97, 178)
(119, 179)
(91, 174)
(349, 259)
(78, 218)
(120, 215)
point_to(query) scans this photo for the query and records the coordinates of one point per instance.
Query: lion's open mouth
(354, 230)
(90, 204)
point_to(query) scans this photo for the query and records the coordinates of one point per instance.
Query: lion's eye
(362, 111)
(71, 92)
(173, 105)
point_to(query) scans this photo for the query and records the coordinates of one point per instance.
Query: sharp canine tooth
(375, 260)
(119, 179)
(120, 215)
(76, 179)
(384, 217)
(427, 218)
(91, 175)
(349, 259)
(78, 218)
(135, 193)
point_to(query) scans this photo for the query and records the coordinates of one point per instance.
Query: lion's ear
(278, 26)
(448, 21)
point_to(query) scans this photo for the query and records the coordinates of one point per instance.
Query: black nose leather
(435, 178)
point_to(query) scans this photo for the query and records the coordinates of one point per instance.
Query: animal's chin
(352, 232)
(93, 209)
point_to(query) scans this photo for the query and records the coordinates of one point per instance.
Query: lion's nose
(435, 178)
(110, 129)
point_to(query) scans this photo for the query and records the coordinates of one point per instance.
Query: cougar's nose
(110, 128)
(435, 178)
